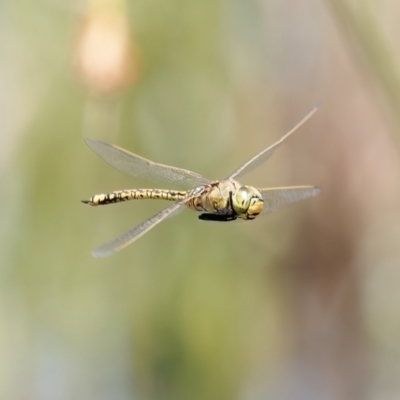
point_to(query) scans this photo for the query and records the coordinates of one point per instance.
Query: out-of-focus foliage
(300, 304)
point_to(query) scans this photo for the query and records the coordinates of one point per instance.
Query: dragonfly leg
(218, 217)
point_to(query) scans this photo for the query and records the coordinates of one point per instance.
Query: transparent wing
(265, 154)
(140, 167)
(275, 198)
(135, 233)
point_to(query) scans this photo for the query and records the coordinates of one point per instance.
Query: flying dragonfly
(222, 201)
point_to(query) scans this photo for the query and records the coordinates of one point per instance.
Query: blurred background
(300, 304)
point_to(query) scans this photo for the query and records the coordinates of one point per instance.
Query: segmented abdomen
(135, 194)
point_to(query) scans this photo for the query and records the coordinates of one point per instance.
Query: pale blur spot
(105, 54)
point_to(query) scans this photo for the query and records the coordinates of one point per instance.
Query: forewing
(265, 154)
(275, 198)
(135, 233)
(140, 167)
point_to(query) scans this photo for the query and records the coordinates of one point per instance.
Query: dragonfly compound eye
(247, 202)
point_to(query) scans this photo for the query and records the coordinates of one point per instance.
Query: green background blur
(300, 304)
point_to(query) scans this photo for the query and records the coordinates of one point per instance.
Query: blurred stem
(363, 29)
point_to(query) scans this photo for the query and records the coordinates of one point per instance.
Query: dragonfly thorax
(247, 202)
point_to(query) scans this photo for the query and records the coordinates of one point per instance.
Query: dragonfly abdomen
(135, 194)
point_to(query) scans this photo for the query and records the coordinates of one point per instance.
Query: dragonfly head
(247, 202)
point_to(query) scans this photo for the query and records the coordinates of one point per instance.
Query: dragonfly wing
(265, 154)
(275, 198)
(140, 167)
(135, 233)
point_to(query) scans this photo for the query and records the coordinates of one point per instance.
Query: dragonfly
(222, 201)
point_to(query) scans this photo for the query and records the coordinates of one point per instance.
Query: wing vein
(275, 198)
(132, 164)
(261, 157)
(135, 233)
